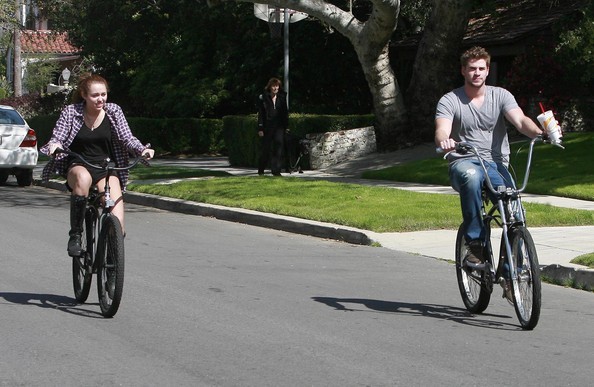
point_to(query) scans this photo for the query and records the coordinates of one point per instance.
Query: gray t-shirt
(482, 127)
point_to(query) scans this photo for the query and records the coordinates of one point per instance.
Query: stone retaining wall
(331, 148)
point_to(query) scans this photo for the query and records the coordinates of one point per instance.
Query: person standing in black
(273, 122)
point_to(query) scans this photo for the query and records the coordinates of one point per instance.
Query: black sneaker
(475, 255)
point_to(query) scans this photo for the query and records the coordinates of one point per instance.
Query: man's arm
(523, 123)
(443, 130)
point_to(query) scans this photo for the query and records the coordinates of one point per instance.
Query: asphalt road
(214, 303)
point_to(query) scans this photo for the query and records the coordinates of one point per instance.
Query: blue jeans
(467, 177)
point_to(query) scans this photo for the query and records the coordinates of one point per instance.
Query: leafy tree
(576, 47)
(39, 74)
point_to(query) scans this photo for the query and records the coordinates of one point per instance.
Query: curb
(557, 274)
(569, 276)
(254, 218)
(240, 215)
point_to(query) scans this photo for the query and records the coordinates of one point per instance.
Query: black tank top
(94, 145)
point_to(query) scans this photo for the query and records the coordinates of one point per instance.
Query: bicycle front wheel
(472, 283)
(110, 271)
(526, 288)
(82, 266)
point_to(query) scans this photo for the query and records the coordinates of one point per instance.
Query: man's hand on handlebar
(447, 145)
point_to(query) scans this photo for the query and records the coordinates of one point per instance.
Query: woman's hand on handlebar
(52, 148)
(148, 153)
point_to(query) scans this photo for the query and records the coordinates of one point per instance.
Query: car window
(10, 117)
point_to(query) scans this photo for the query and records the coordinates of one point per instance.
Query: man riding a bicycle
(476, 113)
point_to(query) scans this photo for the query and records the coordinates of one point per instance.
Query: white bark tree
(370, 39)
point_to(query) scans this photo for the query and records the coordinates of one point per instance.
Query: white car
(18, 147)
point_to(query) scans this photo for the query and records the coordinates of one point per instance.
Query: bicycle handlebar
(464, 148)
(105, 167)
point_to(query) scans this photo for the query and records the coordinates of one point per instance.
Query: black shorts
(96, 174)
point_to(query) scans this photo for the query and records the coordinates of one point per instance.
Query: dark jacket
(271, 117)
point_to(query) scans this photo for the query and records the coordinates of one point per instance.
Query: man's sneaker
(507, 291)
(475, 258)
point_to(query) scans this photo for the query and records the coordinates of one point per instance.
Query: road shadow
(51, 301)
(36, 197)
(442, 312)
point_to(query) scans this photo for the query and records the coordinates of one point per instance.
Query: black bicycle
(516, 268)
(102, 244)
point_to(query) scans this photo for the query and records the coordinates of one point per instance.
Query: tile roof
(46, 42)
(513, 20)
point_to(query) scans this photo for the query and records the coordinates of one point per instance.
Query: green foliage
(241, 138)
(576, 47)
(5, 88)
(32, 105)
(43, 126)
(175, 136)
(183, 58)
(179, 135)
(558, 70)
(40, 73)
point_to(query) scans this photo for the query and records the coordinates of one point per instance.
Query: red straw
(541, 107)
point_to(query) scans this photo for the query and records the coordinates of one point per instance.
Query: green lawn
(555, 171)
(559, 172)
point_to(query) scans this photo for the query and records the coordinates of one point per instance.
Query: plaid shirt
(68, 125)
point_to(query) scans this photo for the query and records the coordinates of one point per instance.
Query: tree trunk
(17, 64)
(370, 40)
(436, 67)
(390, 113)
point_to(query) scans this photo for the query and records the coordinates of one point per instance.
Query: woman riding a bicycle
(97, 130)
(475, 113)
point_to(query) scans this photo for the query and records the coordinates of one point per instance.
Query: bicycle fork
(512, 272)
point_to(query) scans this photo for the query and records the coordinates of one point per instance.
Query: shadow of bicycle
(52, 301)
(442, 312)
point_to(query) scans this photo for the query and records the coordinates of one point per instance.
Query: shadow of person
(442, 312)
(52, 301)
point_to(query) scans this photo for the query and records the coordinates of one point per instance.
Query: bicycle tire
(527, 287)
(110, 270)
(475, 295)
(82, 266)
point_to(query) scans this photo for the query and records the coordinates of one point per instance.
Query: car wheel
(24, 177)
(3, 176)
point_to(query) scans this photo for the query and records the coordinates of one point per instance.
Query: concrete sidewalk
(556, 246)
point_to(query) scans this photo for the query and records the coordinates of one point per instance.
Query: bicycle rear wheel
(82, 266)
(527, 287)
(471, 282)
(110, 271)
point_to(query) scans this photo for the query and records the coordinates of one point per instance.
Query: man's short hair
(475, 53)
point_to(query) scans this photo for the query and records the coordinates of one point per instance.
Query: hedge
(243, 144)
(168, 136)
(234, 136)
